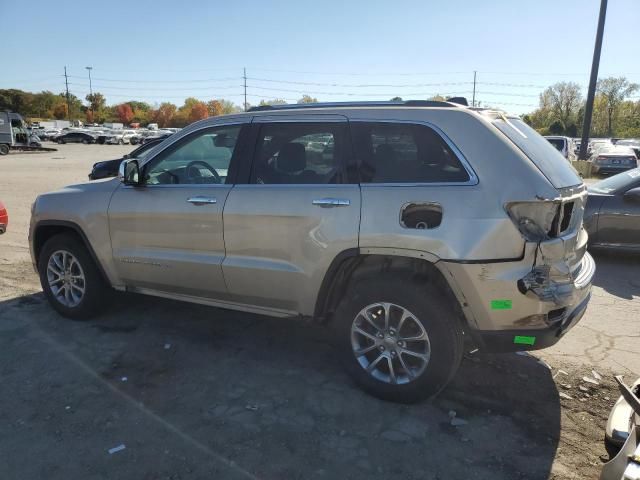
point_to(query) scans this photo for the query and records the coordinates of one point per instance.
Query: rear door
(293, 215)
(619, 221)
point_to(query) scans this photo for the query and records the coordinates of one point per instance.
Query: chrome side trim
(473, 177)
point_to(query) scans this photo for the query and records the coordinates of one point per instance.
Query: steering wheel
(190, 166)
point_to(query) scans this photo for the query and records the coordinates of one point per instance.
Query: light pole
(90, 93)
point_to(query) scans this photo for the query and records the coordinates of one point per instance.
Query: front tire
(399, 339)
(70, 278)
(4, 149)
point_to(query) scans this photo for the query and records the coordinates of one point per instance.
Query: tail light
(542, 220)
(534, 220)
(601, 159)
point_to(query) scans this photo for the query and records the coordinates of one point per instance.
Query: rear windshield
(556, 142)
(619, 182)
(550, 162)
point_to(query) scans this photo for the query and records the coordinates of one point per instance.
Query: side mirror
(632, 195)
(129, 172)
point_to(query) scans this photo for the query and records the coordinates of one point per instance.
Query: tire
(428, 308)
(86, 142)
(121, 142)
(4, 149)
(61, 142)
(96, 291)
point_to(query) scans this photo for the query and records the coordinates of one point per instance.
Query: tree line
(560, 111)
(48, 105)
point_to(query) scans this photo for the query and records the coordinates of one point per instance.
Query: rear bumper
(611, 170)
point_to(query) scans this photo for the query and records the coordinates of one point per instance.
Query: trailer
(14, 135)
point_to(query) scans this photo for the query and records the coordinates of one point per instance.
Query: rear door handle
(331, 202)
(200, 200)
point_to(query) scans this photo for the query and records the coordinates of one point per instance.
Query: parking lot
(198, 392)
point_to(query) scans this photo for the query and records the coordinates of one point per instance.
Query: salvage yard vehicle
(564, 145)
(4, 218)
(76, 137)
(15, 135)
(622, 435)
(393, 223)
(612, 213)
(109, 168)
(613, 159)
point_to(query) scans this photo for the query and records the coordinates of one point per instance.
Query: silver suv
(413, 229)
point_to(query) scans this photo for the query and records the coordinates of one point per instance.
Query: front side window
(404, 153)
(202, 158)
(298, 153)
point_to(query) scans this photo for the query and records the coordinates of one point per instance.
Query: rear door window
(404, 153)
(548, 160)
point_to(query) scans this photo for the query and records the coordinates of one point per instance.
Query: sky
(333, 50)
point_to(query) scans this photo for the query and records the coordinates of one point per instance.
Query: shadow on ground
(617, 273)
(196, 392)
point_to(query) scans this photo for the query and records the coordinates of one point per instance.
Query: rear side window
(404, 153)
(299, 153)
(548, 160)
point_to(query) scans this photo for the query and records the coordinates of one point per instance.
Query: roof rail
(403, 103)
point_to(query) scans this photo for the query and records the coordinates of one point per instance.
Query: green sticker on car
(501, 304)
(524, 340)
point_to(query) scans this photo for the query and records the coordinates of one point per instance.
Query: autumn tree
(214, 108)
(198, 111)
(308, 99)
(124, 113)
(164, 114)
(60, 111)
(614, 91)
(275, 101)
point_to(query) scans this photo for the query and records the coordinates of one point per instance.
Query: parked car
(405, 249)
(76, 137)
(632, 143)
(154, 137)
(109, 168)
(564, 145)
(612, 213)
(120, 137)
(622, 435)
(613, 159)
(4, 218)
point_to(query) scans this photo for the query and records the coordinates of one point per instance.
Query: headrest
(292, 158)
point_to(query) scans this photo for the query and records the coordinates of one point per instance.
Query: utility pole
(66, 83)
(588, 110)
(90, 89)
(244, 76)
(473, 102)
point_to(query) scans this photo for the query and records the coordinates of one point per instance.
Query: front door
(167, 235)
(294, 215)
(619, 221)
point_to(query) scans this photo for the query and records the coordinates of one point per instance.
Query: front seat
(292, 160)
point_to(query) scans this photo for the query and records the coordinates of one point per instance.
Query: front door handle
(331, 202)
(201, 200)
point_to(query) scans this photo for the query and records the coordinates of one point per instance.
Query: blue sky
(333, 50)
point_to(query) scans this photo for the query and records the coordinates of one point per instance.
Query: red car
(4, 218)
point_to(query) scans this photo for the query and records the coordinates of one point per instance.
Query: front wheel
(4, 149)
(399, 339)
(86, 142)
(70, 278)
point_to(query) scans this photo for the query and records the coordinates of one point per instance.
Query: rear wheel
(85, 141)
(4, 149)
(399, 339)
(70, 278)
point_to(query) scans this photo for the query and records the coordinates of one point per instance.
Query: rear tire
(86, 142)
(4, 149)
(70, 278)
(428, 315)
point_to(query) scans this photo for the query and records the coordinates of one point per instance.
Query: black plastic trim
(325, 293)
(76, 228)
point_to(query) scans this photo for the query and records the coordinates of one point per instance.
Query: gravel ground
(197, 392)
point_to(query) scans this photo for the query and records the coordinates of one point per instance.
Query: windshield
(619, 182)
(550, 162)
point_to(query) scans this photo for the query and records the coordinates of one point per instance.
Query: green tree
(556, 128)
(275, 101)
(396, 99)
(562, 99)
(614, 90)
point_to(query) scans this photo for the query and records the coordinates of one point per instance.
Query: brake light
(601, 159)
(534, 220)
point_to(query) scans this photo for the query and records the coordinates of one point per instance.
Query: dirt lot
(195, 392)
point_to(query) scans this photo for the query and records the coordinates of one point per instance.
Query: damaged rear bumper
(527, 304)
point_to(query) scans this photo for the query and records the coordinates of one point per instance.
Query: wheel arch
(356, 263)
(46, 229)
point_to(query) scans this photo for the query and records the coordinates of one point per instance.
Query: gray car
(412, 229)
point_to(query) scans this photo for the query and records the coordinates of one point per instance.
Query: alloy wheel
(66, 278)
(389, 343)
